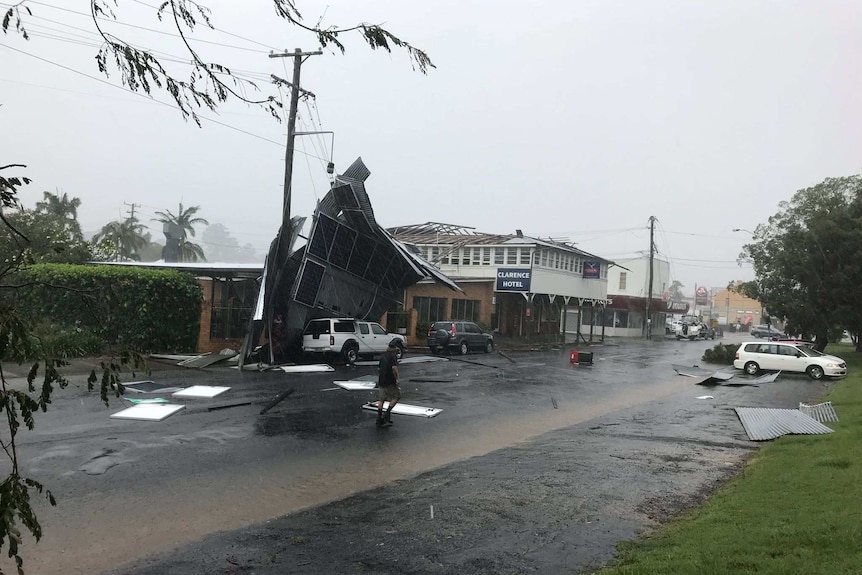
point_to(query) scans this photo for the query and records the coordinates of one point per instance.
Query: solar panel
(309, 283)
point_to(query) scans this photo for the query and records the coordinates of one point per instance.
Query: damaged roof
(435, 233)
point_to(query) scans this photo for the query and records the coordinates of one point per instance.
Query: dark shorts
(389, 393)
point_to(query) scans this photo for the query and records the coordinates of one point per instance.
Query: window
(435, 254)
(623, 281)
(579, 266)
(466, 309)
(486, 256)
(232, 307)
(788, 350)
(345, 327)
(377, 329)
(544, 258)
(465, 256)
(498, 256)
(363, 328)
(429, 309)
(511, 255)
(477, 254)
(525, 256)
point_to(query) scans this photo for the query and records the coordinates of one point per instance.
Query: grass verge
(795, 509)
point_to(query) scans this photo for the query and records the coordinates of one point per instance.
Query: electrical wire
(150, 98)
(153, 30)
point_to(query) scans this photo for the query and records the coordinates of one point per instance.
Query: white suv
(798, 356)
(349, 338)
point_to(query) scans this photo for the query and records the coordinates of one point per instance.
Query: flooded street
(532, 461)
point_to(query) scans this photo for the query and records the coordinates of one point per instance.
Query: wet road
(128, 489)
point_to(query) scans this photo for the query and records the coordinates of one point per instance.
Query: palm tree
(121, 240)
(64, 209)
(185, 221)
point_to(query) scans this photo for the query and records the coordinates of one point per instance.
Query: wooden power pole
(649, 287)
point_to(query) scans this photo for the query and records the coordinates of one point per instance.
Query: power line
(219, 30)
(150, 98)
(153, 30)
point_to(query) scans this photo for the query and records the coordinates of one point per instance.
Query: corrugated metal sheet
(762, 424)
(822, 412)
(767, 378)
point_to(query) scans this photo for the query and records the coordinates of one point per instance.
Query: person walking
(387, 382)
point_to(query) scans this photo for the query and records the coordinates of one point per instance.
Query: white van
(800, 357)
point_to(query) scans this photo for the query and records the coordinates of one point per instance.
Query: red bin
(573, 356)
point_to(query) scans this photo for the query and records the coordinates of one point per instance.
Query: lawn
(795, 509)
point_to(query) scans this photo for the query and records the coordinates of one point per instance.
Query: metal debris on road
(822, 412)
(766, 423)
(404, 409)
(718, 377)
(146, 400)
(148, 411)
(228, 405)
(689, 371)
(205, 360)
(276, 401)
(205, 391)
(149, 387)
(766, 378)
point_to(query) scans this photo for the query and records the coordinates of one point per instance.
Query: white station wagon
(794, 356)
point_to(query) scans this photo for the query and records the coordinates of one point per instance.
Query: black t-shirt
(386, 377)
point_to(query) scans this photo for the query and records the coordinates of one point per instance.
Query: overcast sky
(567, 119)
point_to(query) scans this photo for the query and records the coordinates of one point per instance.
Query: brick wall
(205, 344)
(481, 291)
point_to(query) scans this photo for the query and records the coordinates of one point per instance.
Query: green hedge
(137, 309)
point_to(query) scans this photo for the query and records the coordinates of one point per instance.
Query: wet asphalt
(533, 465)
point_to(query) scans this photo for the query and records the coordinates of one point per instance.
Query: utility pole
(297, 56)
(132, 207)
(283, 244)
(649, 288)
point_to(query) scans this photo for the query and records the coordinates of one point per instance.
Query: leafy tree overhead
(185, 222)
(806, 260)
(209, 84)
(45, 234)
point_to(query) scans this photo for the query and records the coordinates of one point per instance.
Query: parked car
(794, 356)
(693, 329)
(349, 338)
(458, 335)
(767, 331)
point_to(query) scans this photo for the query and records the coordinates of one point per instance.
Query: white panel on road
(355, 385)
(148, 411)
(421, 359)
(404, 360)
(315, 368)
(201, 391)
(404, 409)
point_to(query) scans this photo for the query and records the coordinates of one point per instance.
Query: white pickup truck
(349, 338)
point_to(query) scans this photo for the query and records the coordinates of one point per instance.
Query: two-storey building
(512, 284)
(629, 292)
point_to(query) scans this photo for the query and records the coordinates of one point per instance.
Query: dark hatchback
(458, 335)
